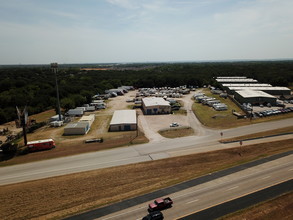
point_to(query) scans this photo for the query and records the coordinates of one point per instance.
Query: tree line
(34, 86)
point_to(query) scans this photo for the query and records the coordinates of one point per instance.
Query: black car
(156, 215)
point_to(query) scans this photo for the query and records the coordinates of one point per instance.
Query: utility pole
(54, 67)
(23, 117)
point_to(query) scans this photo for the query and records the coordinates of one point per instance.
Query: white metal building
(277, 90)
(123, 120)
(254, 97)
(155, 105)
(236, 80)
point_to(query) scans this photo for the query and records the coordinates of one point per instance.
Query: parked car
(174, 124)
(156, 215)
(160, 204)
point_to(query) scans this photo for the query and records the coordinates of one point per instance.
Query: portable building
(75, 112)
(56, 118)
(155, 105)
(88, 118)
(220, 107)
(77, 128)
(123, 120)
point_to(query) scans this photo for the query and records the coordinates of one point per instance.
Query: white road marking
(235, 187)
(123, 213)
(265, 177)
(192, 201)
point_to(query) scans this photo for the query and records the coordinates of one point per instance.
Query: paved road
(134, 154)
(217, 191)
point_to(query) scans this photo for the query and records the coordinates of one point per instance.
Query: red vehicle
(160, 204)
(40, 145)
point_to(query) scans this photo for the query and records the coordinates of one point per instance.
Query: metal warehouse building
(123, 120)
(236, 80)
(155, 105)
(77, 128)
(270, 90)
(254, 97)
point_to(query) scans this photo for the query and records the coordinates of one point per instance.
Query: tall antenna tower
(54, 68)
(22, 117)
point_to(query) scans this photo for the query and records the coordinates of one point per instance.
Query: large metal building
(272, 90)
(123, 120)
(254, 97)
(155, 105)
(78, 128)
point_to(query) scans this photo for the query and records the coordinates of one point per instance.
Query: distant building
(123, 120)
(155, 105)
(254, 97)
(277, 90)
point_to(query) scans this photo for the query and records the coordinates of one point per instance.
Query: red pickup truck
(160, 204)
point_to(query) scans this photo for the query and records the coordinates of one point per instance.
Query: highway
(218, 191)
(207, 141)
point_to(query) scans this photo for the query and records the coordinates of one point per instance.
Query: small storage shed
(75, 112)
(155, 105)
(123, 120)
(88, 118)
(78, 128)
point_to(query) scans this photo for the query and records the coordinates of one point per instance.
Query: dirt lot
(149, 125)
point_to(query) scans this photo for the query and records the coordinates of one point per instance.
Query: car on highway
(156, 215)
(160, 204)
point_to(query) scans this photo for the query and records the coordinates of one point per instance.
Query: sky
(122, 31)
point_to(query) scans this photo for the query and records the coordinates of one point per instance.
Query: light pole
(54, 67)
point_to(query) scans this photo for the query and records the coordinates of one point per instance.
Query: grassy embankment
(277, 208)
(73, 193)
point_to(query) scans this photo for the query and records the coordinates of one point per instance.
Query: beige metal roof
(124, 117)
(155, 101)
(254, 93)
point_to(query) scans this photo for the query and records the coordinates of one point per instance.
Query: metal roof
(246, 85)
(236, 80)
(87, 117)
(124, 117)
(254, 93)
(155, 101)
(231, 77)
(82, 124)
(260, 88)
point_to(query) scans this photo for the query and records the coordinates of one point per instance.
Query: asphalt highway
(207, 141)
(218, 191)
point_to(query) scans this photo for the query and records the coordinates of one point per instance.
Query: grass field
(278, 208)
(177, 132)
(69, 194)
(260, 134)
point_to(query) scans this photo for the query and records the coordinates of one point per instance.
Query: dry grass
(278, 208)
(261, 134)
(177, 132)
(73, 193)
(43, 116)
(77, 146)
